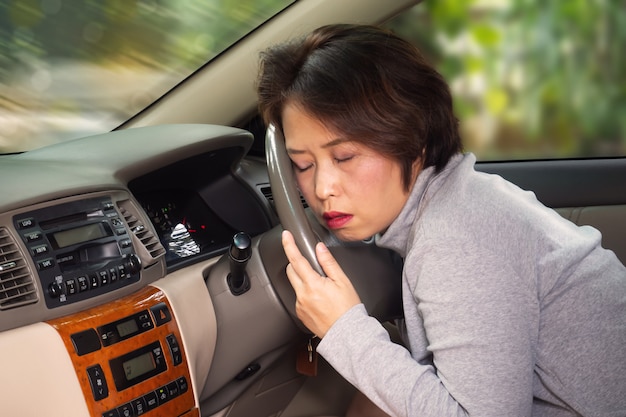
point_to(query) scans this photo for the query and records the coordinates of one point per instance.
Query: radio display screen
(79, 235)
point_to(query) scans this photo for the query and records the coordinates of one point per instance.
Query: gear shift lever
(239, 254)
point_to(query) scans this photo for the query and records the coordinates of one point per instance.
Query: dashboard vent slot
(16, 282)
(144, 234)
(267, 193)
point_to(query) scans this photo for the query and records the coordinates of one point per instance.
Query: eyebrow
(330, 144)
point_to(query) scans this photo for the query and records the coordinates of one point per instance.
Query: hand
(320, 301)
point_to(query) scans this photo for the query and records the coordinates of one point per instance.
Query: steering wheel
(374, 272)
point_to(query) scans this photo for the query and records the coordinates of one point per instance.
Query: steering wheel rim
(287, 198)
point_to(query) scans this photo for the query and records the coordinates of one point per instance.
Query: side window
(530, 79)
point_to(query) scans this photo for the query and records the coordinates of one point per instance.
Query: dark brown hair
(368, 84)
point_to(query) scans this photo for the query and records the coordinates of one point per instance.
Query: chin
(351, 236)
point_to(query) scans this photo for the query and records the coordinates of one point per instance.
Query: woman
(509, 309)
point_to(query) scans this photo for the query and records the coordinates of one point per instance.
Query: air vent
(16, 282)
(143, 233)
(267, 192)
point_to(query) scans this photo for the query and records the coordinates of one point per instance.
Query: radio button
(33, 236)
(83, 284)
(39, 250)
(45, 264)
(120, 231)
(25, 223)
(113, 275)
(71, 287)
(104, 277)
(121, 270)
(94, 281)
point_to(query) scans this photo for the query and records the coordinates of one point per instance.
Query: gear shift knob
(239, 254)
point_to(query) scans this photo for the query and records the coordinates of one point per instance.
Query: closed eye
(344, 159)
(298, 168)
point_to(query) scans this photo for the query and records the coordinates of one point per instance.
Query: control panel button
(40, 250)
(126, 410)
(162, 395)
(111, 413)
(151, 400)
(83, 284)
(183, 386)
(45, 264)
(55, 289)
(33, 236)
(172, 389)
(104, 277)
(98, 382)
(161, 314)
(85, 342)
(139, 406)
(25, 223)
(71, 287)
(94, 281)
(177, 356)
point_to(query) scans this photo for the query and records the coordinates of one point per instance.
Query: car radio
(81, 249)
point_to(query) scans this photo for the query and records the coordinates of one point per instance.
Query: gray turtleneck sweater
(510, 310)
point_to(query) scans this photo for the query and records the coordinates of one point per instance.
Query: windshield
(70, 69)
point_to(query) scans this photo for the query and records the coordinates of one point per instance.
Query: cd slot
(61, 221)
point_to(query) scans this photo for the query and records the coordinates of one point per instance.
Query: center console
(129, 357)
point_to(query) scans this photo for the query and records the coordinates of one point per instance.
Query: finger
(290, 247)
(328, 262)
(295, 257)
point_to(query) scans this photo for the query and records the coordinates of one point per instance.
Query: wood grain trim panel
(182, 405)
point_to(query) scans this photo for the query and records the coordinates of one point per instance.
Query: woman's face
(353, 190)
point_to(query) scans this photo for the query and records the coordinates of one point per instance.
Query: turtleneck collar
(397, 234)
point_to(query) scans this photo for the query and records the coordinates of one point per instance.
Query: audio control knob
(132, 264)
(55, 289)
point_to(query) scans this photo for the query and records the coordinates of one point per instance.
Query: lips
(336, 220)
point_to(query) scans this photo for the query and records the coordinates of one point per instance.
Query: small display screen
(79, 235)
(127, 327)
(139, 366)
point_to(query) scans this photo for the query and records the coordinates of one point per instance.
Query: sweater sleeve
(480, 322)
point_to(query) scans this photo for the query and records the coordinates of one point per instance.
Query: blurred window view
(73, 68)
(531, 79)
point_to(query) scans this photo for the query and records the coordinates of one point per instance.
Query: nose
(326, 182)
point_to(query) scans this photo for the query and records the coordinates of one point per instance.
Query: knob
(55, 289)
(239, 254)
(132, 264)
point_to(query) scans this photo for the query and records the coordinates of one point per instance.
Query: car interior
(141, 270)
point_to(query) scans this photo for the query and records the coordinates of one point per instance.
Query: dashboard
(107, 245)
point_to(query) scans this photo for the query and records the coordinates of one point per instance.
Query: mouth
(336, 220)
